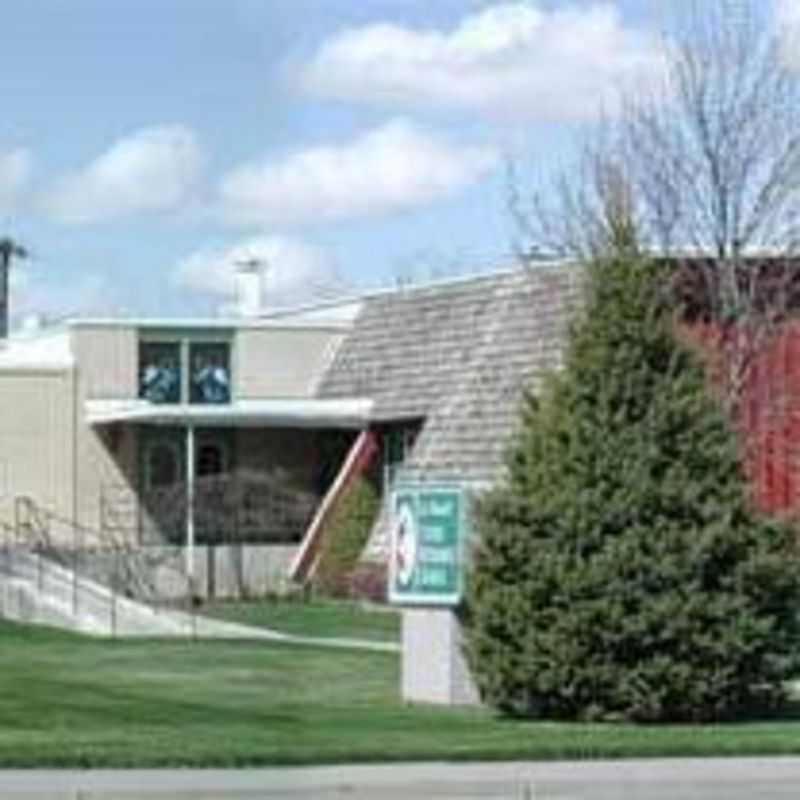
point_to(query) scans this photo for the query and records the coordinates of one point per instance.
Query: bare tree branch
(701, 170)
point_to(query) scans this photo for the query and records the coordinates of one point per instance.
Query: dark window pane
(211, 460)
(163, 465)
(209, 376)
(160, 372)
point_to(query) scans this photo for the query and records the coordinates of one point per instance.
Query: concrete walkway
(43, 592)
(209, 628)
(679, 779)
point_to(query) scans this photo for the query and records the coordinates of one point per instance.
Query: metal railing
(235, 508)
(61, 555)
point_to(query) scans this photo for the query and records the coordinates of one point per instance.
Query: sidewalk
(678, 779)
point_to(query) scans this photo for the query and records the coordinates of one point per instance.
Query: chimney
(249, 285)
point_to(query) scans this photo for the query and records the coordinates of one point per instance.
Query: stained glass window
(209, 372)
(160, 372)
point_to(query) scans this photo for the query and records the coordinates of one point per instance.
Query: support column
(190, 468)
(434, 669)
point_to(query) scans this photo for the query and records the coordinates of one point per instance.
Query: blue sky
(146, 145)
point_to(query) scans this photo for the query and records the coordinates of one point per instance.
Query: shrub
(621, 571)
(368, 581)
(346, 537)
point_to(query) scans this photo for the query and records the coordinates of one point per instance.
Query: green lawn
(314, 618)
(70, 701)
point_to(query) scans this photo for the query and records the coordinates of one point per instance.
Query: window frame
(184, 338)
(193, 344)
(159, 342)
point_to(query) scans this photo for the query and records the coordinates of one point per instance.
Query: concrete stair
(35, 589)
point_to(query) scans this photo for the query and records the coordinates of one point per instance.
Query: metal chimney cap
(250, 265)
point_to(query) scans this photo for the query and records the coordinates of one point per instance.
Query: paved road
(717, 779)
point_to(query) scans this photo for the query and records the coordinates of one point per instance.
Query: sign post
(426, 577)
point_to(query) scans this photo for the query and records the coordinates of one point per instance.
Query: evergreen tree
(621, 571)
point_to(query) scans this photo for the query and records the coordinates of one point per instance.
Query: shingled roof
(458, 355)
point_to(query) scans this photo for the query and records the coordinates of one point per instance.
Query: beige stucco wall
(266, 362)
(107, 358)
(106, 458)
(36, 430)
(106, 463)
(274, 362)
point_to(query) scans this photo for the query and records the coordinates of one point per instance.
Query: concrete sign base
(434, 669)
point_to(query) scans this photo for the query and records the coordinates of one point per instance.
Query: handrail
(33, 530)
(40, 521)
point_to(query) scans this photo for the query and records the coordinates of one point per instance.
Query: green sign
(427, 533)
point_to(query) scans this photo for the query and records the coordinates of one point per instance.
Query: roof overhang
(348, 413)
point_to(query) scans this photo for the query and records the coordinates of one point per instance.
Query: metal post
(190, 504)
(75, 556)
(74, 583)
(17, 520)
(193, 610)
(114, 576)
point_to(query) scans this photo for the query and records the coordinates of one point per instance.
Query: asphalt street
(695, 779)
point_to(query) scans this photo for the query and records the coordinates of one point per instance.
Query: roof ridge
(437, 283)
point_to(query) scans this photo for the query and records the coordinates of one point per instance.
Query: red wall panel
(768, 408)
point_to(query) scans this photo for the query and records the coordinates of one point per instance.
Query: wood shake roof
(458, 355)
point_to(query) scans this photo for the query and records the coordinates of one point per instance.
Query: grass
(70, 701)
(325, 619)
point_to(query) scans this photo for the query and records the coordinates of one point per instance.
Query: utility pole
(9, 249)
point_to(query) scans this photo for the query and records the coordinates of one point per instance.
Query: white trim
(36, 368)
(279, 413)
(385, 291)
(190, 324)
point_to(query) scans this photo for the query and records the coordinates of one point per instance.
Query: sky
(149, 145)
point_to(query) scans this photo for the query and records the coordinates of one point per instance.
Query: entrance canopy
(348, 413)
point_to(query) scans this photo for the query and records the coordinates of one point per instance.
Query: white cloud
(152, 170)
(15, 170)
(32, 295)
(295, 271)
(394, 168)
(511, 61)
(787, 17)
